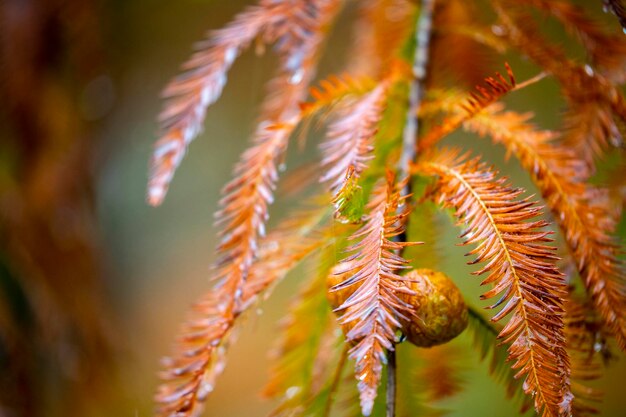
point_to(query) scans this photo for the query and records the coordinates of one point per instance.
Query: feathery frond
(521, 268)
(596, 105)
(244, 207)
(199, 86)
(332, 90)
(581, 210)
(308, 347)
(349, 145)
(189, 375)
(495, 88)
(542, 322)
(201, 83)
(373, 306)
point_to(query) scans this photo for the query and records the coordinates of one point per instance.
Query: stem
(420, 63)
(423, 31)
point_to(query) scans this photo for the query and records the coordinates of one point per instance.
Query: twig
(416, 93)
(423, 32)
(530, 81)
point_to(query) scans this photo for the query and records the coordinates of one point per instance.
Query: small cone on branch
(441, 313)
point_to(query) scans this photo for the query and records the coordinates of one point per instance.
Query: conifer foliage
(542, 339)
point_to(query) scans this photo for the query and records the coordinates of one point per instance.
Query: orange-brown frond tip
(278, 126)
(333, 90)
(520, 267)
(484, 95)
(509, 72)
(168, 153)
(190, 374)
(155, 195)
(305, 107)
(495, 88)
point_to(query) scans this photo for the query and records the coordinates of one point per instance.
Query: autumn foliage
(408, 85)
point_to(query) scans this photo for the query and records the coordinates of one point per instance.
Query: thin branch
(420, 63)
(530, 81)
(423, 32)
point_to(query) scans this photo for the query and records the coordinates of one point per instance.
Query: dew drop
(230, 55)
(497, 30)
(292, 392)
(205, 390)
(297, 76)
(566, 403)
(219, 368)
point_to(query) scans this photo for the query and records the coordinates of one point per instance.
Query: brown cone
(441, 313)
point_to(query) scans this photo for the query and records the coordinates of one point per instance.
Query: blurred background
(93, 282)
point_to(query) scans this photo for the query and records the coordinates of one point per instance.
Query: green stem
(423, 31)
